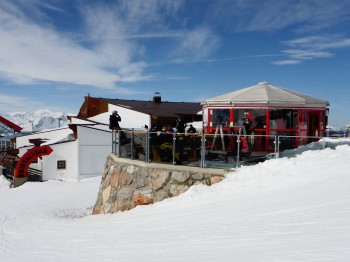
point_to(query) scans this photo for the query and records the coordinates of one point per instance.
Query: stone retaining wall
(128, 183)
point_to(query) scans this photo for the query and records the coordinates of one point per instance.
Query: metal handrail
(272, 144)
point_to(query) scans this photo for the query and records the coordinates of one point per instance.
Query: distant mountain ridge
(37, 121)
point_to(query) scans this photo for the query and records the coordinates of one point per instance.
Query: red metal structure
(32, 154)
(8, 128)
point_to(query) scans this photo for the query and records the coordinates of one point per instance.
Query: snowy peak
(38, 120)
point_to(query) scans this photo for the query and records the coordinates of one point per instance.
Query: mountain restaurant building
(154, 113)
(270, 111)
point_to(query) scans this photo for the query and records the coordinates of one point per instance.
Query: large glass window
(220, 117)
(283, 118)
(257, 117)
(303, 119)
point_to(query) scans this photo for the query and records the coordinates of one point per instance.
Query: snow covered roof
(267, 95)
(51, 136)
(78, 121)
(60, 138)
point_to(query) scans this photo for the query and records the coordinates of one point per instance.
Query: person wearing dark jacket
(191, 129)
(180, 126)
(114, 120)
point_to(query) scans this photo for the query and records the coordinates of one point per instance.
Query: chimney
(157, 98)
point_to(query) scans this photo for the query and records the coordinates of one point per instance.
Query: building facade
(266, 111)
(75, 155)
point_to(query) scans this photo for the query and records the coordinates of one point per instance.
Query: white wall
(131, 118)
(23, 150)
(67, 151)
(94, 147)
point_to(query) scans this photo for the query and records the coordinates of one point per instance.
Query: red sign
(32, 154)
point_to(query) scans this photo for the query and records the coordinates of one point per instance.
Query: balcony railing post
(174, 145)
(147, 146)
(323, 143)
(132, 145)
(113, 142)
(277, 146)
(238, 148)
(118, 144)
(202, 164)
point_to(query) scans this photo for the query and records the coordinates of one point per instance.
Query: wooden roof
(161, 109)
(153, 108)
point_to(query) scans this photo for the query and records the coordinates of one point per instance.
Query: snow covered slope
(294, 209)
(37, 121)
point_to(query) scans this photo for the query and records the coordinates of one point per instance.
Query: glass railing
(210, 150)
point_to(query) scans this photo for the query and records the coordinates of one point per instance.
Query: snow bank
(289, 209)
(4, 183)
(319, 145)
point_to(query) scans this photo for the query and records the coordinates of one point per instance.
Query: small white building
(76, 154)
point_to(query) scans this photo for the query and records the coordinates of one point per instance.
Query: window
(283, 118)
(61, 164)
(220, 117)
(257, 116)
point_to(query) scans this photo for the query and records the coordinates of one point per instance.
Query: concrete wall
(128, 183)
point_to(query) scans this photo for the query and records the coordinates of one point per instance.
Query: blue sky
(55, 52)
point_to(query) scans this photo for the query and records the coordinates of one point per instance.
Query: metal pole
(118, 144)
(203, 151)
(174, 144)
(147, 146)
(323, 143)
(132, 145)
(113, 142)
(277, 146)
(238, 147)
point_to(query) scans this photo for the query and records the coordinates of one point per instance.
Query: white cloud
(304, 15)
(129, 22)
(112, 48)
(33, 51)
(307, 54)
(22, 103)
(198, 43)
(317, 42)
(315, 46)
(287, 62)
(29, 51)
